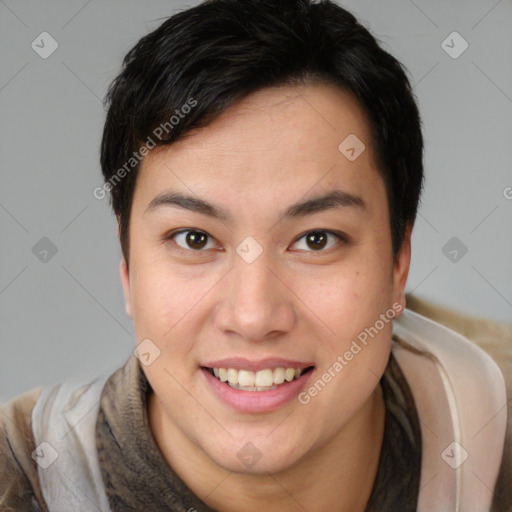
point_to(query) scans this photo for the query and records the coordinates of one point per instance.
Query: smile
(256, 387)
(262, 380)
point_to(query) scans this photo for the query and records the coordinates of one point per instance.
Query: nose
(256, 304)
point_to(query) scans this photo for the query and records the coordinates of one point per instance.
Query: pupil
(317, 239)
(196, 239)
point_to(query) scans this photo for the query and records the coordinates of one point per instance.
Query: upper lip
(241, 363)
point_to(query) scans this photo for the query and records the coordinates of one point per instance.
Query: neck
(337, 476)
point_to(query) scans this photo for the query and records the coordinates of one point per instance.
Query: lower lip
(256, 401)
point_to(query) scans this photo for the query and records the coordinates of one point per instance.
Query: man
(264, 161)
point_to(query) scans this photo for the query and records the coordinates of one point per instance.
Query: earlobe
(401, 269)
(125, 281)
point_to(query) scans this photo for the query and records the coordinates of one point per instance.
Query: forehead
(278, 141)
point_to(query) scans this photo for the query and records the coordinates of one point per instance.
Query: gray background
(65, 316)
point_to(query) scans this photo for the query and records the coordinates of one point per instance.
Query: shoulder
(19, 483)
(495, 338)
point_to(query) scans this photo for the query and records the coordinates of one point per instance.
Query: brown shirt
(136, 474)
(137, 477)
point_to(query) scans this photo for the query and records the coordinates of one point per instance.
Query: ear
(125, 278)
(401, 269)
(125, 281)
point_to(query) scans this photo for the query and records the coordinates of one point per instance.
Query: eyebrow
(330, 200)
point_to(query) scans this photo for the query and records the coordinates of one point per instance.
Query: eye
(196, 240)
(191, 239)
(319, 240)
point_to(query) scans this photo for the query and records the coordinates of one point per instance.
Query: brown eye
(316, 241)
(196, 239)
(190, 239)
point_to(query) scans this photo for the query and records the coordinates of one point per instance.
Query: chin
(258, 456)
(266, 464)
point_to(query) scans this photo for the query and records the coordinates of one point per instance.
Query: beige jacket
(17, 442)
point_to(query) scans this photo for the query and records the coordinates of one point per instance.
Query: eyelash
(344, 239)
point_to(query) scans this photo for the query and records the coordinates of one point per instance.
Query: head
(264, 161)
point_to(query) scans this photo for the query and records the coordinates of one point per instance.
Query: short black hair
(203, 59)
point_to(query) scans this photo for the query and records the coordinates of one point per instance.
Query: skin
(271, 150)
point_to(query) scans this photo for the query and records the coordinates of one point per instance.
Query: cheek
(350, 298)
(164, 301)
(355, 350)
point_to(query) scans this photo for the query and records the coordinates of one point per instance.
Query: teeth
(256, 381)
(264, 378)
(278, 375)
(246, 378)
(232, 376)
(289, 374)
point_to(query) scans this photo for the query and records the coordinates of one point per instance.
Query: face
(257, 246)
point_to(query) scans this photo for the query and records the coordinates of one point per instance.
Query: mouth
(257, 381)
